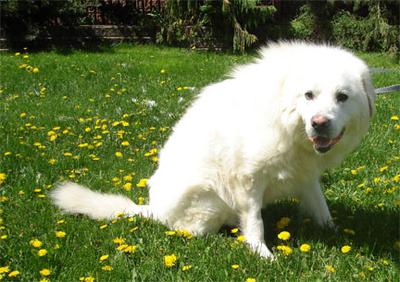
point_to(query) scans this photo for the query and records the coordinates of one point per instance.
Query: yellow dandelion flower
(383, 169)
(142, 183)
(104, 226)
(250, 280)
(305, 248)
(83, 145)
(122, 247)
(394, 117)
(60, 234)
(52, 161)
(234, 230)
(3, 177)
(107, 268)
(329, 268)
(125, 143)
(345, 249)
(128, 178)
(286, 250)
(87, 279)
(377, 179)
(170, 232)
(14, 273)
(235, 266)
(45, 272)
(241, 238)
(283, 223)
(186, 267)
(35, 70)
(119, 240)
(396, 178)
(140, 201)
(118, 154)
(184, 233)
(17, 54)
(35, 243)
(42, 252)
(127, 186)
(284, 235)
(170, 260)
(130, 249)
(150, 153)
(4, 269)
(103, 258)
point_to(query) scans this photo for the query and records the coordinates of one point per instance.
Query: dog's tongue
(321, 141)
(322, 144)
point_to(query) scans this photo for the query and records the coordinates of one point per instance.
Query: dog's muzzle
(321, 134)
(323, 144)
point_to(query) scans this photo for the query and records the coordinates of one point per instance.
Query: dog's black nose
(320, 123)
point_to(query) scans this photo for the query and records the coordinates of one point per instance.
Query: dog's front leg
(252, 225)
(313, 202)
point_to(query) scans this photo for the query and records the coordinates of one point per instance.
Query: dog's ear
(369, 91)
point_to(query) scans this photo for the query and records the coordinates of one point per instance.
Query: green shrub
(26, 19)
(372, 33)
(303, 25)
(360, 26)
(193, 23)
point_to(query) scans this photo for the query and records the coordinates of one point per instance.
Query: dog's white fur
(248, 141)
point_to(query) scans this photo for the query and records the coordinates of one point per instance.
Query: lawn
(98, 118)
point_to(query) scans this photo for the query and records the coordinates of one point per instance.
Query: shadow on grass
(376, 230)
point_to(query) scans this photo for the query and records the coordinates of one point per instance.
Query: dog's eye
(309, 95)
(341, 97)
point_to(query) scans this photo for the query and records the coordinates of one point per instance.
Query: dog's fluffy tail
(76, 199)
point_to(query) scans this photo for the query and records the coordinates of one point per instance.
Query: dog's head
(332, 96)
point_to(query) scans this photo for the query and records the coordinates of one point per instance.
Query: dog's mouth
(323, 144)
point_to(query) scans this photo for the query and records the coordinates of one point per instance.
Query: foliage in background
(29, 21)
(243, 16)
(370, 33)
(183, 23)
(207, 22)
(21, 19)
(362, 25)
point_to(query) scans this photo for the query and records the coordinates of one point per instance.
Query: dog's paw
(266, 253)
(261, 249)
(329, 224)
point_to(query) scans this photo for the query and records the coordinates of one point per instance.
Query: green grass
(87, 94)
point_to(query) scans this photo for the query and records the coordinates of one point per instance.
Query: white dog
(265, 133)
